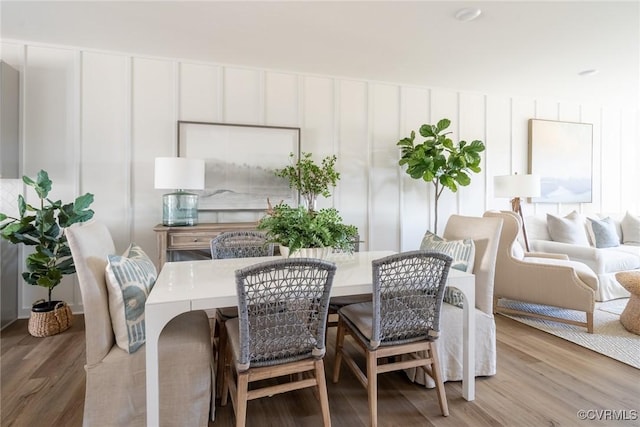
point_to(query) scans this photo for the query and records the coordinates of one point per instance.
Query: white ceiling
(515, 47)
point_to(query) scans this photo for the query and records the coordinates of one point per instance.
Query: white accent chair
(540, 278)
(485, 233)
(116, 380)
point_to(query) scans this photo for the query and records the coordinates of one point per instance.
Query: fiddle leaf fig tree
(43, 226)
(439, 160)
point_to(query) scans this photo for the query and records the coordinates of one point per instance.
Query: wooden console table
(189, 238)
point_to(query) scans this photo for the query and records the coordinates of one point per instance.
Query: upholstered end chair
(115, 379)
(540, 278)
(485, 233)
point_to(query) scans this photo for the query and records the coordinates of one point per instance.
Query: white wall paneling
(281, 99)
(106, 141)
(242, 96)
(154, 115)
(198, 92)
(384, 104)
(96, 121)
(50, 121)
(444, 104)
(415, 213)
(471, 126)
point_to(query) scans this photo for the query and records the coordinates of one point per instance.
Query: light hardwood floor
(542, 380)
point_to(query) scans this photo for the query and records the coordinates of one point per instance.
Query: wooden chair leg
(338, 355)
(437, 378)
(241, 401)
(222, 350)
(372, 387)
(226, 378)
(322, 391)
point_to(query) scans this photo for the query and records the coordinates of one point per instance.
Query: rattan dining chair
(234, 244)
(240, 244)
(280, 331)
(402, 319)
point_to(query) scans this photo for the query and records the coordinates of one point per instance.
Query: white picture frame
(240, 161)
(561, 153)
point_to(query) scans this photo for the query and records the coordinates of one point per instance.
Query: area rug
(609, 338)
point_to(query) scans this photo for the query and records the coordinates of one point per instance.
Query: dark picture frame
(240, 160)
(561, 153)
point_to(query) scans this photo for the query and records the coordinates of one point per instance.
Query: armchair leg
(590, 322)
(372, 387)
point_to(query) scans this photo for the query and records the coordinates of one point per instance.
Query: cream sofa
(604, 261)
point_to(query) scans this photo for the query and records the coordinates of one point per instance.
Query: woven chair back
(240, 244)
(282, 306)
(407, 296)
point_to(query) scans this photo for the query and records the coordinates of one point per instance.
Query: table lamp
(514, 187)
(179, 173)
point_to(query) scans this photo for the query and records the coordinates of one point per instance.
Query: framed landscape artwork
(239, 163)
(561, 153)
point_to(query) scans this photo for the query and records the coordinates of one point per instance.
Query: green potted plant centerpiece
(43, 226)
(297, 229)
(439, 160)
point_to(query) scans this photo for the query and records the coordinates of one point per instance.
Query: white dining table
(207, 284)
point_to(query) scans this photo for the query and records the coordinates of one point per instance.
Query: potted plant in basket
(439, 161)
(297, 229)
(43, 226)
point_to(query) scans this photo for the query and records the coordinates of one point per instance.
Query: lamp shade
(509, 186)
(179, 173)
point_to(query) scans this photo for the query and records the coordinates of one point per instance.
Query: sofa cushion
(570, 229)
(463, 253)
(630, 229)
(130, 278)
(603, 232)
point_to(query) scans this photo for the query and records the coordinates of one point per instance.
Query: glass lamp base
(179, 209)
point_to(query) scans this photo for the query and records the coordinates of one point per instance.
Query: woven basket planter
(46, 321)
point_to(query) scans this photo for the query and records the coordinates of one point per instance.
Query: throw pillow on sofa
(630, 229)
(569, 229)
(130, 277)
(603, 233)
(463, 253)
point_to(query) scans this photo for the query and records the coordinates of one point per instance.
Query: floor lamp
(514, 187)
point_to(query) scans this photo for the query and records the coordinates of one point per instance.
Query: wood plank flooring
(542, 380)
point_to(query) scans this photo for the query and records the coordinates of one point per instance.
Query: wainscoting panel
(384, 105)
(199, 93)
(242, 96)
(593, 115)
(415, 194)
(498, 156)
(444, 104)
(154, 115)
(50, 139)
(281, 99)
(611, 152)
(106, 141)
(472, 119)
(351, 195)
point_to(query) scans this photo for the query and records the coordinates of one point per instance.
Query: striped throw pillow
(130, 278)
(463, 253)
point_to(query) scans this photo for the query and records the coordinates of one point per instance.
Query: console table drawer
(190, 241)
(172, 240)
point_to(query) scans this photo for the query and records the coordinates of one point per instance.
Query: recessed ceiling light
(590, 72)
(468, 14)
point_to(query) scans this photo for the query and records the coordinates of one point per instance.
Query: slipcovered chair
(280, 331)
(234, 244)
(403, 319)
(540, 278)
(485, 233)
(115, 379)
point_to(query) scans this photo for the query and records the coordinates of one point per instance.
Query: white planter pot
(321, 253)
